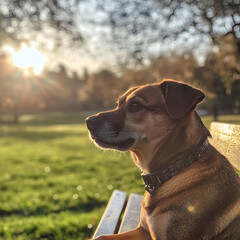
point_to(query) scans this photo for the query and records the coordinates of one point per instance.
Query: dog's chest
(156, 224)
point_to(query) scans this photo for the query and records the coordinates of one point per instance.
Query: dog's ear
(180, 98)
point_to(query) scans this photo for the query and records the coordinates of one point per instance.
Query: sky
(98, 50)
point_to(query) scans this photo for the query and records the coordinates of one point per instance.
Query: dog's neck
(178, 164)
(186, 134)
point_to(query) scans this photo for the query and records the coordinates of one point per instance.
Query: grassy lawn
(54, 183)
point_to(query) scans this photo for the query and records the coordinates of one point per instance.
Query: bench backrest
(226, 139)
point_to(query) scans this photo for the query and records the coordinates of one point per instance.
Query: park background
(61, 61)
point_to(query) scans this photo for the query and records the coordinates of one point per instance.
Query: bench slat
(226, 139)
(111, 216)
(132, 213)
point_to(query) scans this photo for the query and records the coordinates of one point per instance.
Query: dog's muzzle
(105, 136)
(92, 123)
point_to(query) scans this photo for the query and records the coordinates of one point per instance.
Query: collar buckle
(150, 188)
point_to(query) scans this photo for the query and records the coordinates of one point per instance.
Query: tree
(21, 19)
(221, 81)
(173, 66)
(62, 90)
(21, 91)
(145, 28)
(218, 20)
(214, 18)
(13, 88)
(100, 90)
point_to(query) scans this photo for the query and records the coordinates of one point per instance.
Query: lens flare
(27, 58)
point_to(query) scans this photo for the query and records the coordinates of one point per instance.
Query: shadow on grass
(31, 135)
(48, 119)
(62, 118)
(89, 206)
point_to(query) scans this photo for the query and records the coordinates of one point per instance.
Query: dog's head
(144, 116)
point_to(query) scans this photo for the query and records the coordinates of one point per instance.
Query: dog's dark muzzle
(93, 124)
(115, 118)
(106, 130)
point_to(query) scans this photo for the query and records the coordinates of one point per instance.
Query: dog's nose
(91, 122)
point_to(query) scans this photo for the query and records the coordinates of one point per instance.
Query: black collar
(153, 180)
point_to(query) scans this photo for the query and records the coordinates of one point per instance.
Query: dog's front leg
(138, 233)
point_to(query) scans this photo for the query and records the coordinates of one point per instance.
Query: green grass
(54, 183)
(232, 119)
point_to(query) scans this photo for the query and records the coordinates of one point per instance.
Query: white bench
(226, 138)
(111, 220)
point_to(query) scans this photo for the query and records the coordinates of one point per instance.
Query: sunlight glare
(28, 58)
(191, 209)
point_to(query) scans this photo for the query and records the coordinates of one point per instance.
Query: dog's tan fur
(202, 201)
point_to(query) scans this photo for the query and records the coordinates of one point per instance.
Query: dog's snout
(91, 122)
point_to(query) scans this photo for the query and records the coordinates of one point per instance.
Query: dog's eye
(134, 107)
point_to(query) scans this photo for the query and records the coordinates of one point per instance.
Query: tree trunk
(16, 113)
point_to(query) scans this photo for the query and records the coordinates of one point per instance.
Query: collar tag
(150, 188)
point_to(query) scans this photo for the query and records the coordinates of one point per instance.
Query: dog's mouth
(121, 145)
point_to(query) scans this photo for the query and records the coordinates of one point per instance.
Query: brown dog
(193, 191)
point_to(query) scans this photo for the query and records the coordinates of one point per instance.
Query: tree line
(139, 34)
(218, 75)
(61, 90)
(22, 91)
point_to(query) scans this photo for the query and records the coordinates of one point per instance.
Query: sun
(28, 57)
